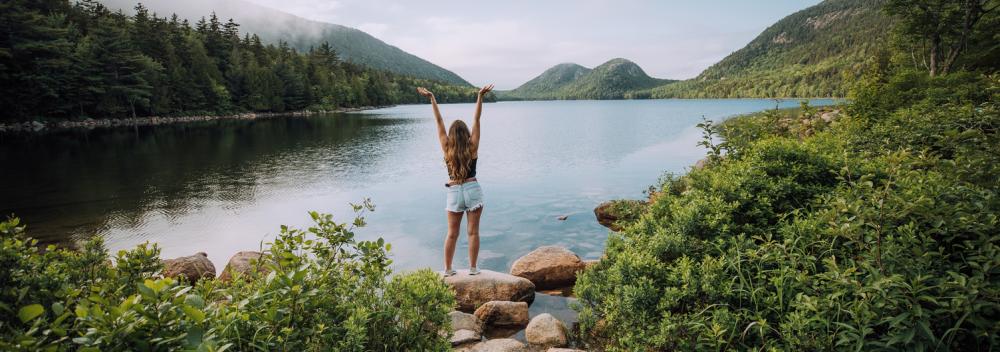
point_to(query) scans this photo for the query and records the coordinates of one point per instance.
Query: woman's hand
(423, 91)
(486, 89)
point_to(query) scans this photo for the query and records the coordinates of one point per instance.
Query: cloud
(511, 42)
(507, 52)
(375, 29)
(325, 10)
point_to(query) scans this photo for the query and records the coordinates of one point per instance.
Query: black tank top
(472, 170)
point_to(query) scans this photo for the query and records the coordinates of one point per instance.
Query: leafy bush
(877, 232)
(323, 291)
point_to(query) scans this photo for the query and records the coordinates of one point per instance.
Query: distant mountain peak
(615, 79)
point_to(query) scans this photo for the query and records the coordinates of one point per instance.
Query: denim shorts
(464, 197)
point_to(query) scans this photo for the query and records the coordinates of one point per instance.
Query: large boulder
(242, 264)
(611, 214)
(548, 267)
(544, 330)
(495, 345)
(471, 291)
(190, 268)
(503, 313)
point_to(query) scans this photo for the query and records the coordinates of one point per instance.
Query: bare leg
(474, 235)
(454, 221)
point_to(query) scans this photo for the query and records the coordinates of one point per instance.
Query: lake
(225, 186)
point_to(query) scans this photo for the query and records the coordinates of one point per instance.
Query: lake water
(225, 186)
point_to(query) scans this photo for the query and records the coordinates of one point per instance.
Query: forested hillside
(615, 79)
(815, 52)
(274, 26)
(62, 60)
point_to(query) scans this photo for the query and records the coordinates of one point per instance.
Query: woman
(461, 151)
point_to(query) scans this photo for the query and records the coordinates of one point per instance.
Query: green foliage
(323, 291)
(873, 231)
(937, 33)
(615, 79)
(68, 61)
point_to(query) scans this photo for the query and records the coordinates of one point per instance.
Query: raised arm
(475, 120)
(442, 135)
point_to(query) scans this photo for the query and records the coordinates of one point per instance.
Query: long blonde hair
(458, 151)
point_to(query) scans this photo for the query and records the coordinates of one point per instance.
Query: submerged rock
(503, 313)
(243, 263)
(545, 330)
(548, 267)
(190, 268)
(471, 291)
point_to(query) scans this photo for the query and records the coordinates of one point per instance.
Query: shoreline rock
(610, 213)
(545, 331)
(190, 268)
(38, 126)
(243, 263)
(467, 328)
(471, 291)
(495, 345)
(548, 267)
(503, 313)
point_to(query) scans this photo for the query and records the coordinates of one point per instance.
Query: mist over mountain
(616, 79)
(273, 25)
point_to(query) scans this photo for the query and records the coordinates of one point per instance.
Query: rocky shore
(39, 126)
(490, 307)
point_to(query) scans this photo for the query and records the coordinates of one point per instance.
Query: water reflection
(72, 183)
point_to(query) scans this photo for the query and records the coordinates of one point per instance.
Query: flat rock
(544, 330)
(496, 345)
(503, 313)
(548, 267)
(465, 336)
(554, 349)
(243, 263)
(465, 321)
(190, 268)
(471, 291)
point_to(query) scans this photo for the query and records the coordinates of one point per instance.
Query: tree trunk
(973, 12)
(935, 51)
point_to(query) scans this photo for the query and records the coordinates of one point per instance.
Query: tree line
(63, 60)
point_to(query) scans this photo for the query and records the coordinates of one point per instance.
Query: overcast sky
(510, 42)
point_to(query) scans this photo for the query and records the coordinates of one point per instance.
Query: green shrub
(878, 232)
(324, 291)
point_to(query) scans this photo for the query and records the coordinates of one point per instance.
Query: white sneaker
(448, 273)
(473, 271)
